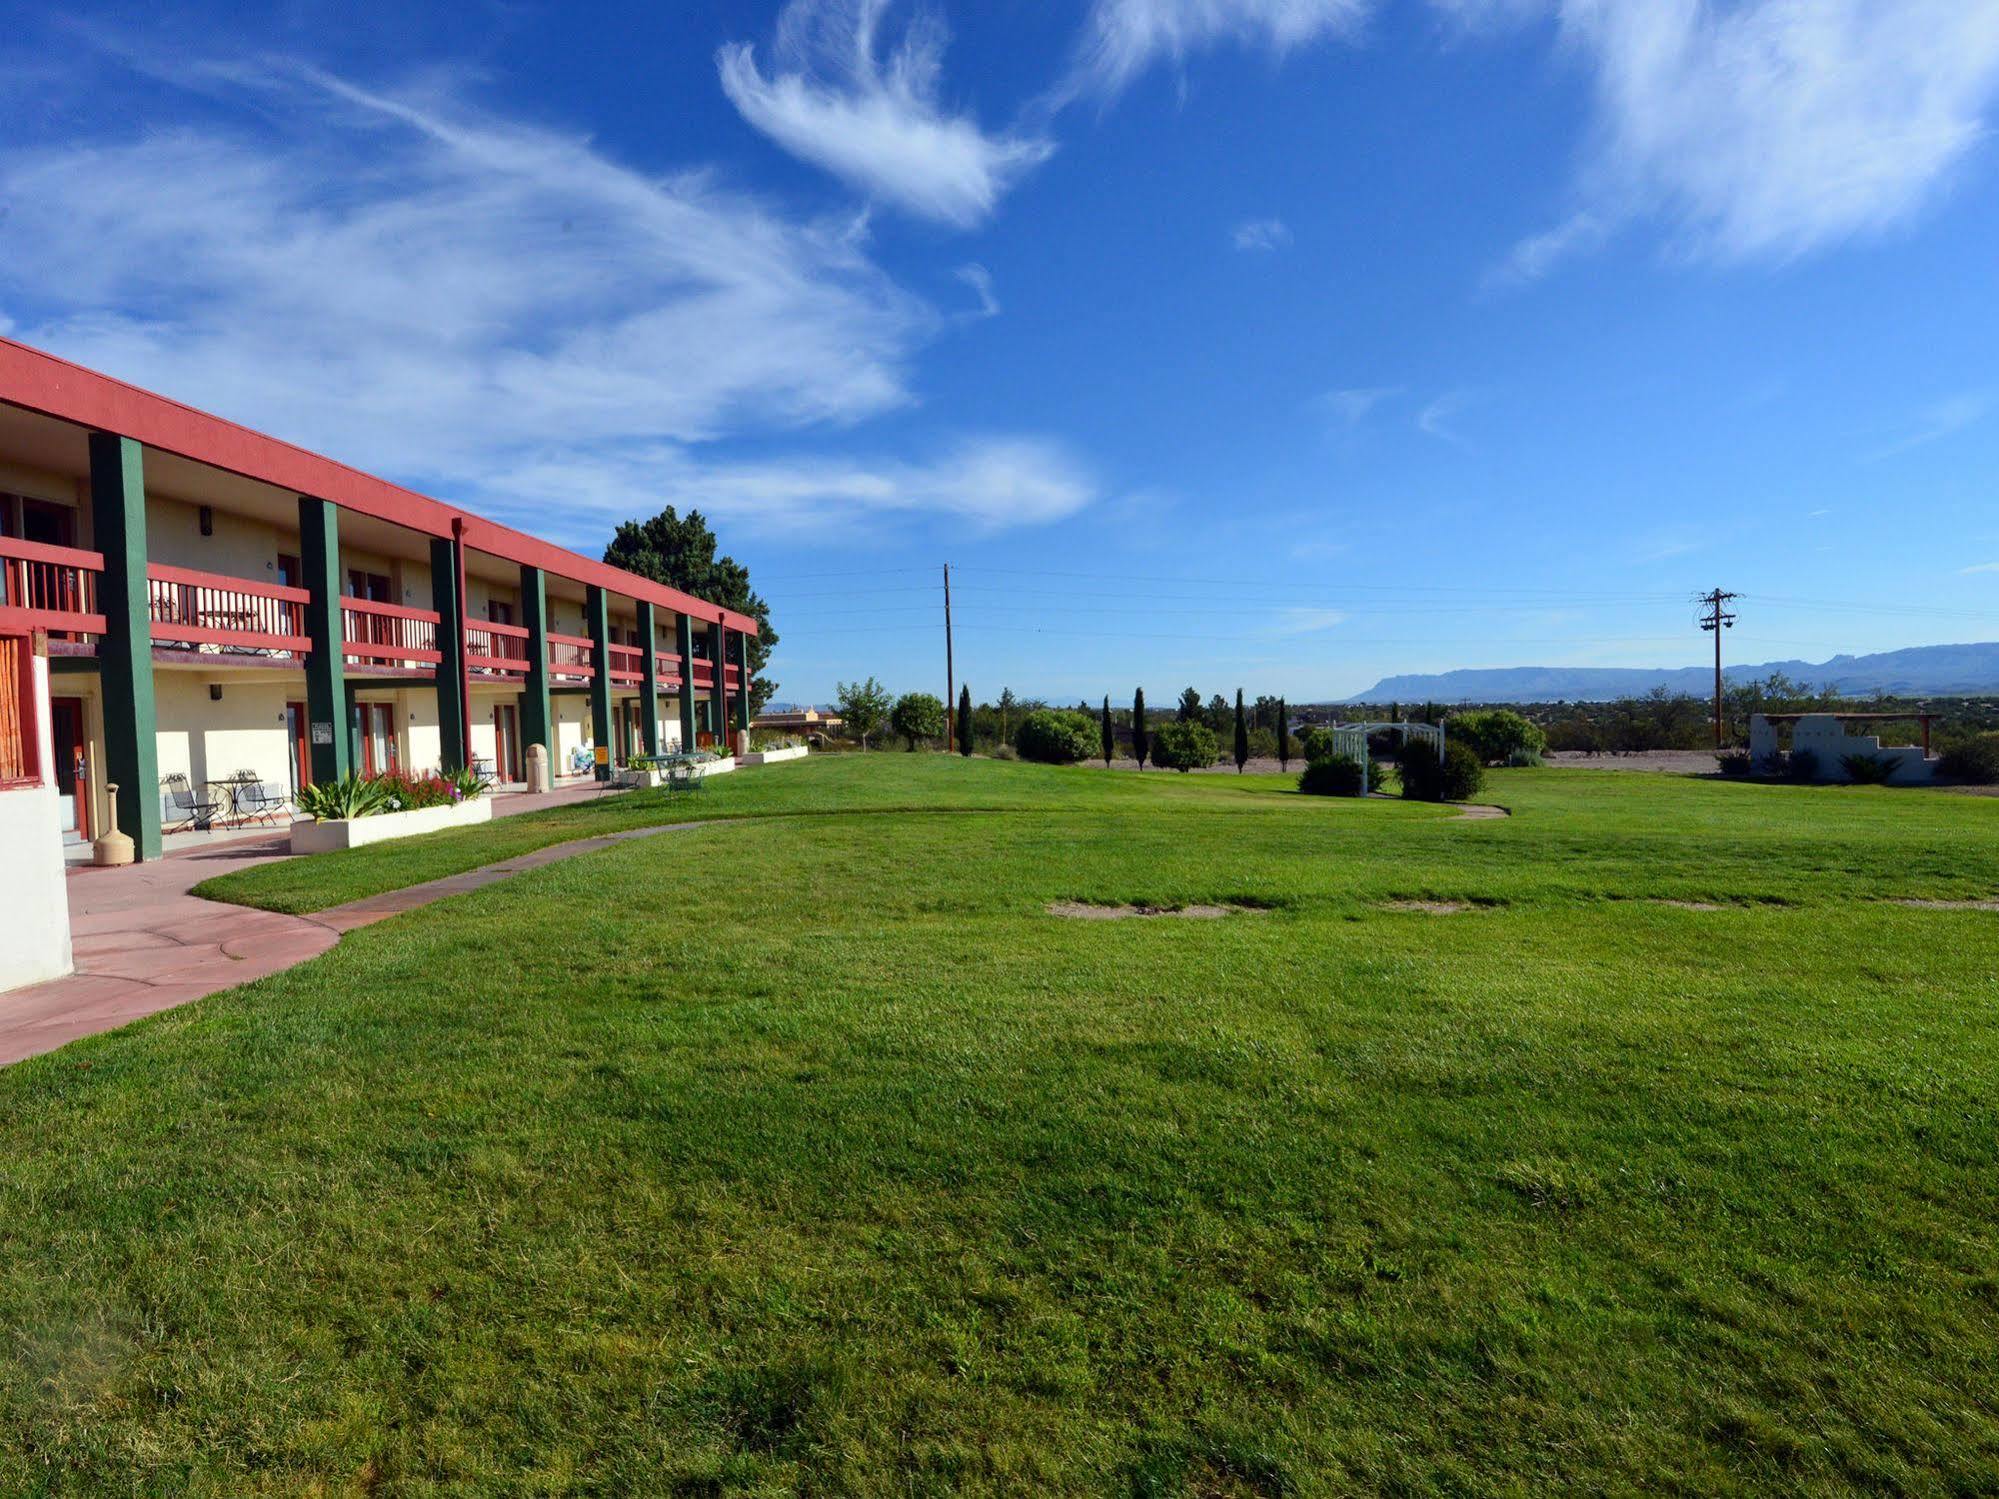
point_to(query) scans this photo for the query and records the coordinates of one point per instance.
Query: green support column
(125, 649)
(649, 691)
(718, 691)
(535, 725)
(683, 639)
(452, 750)
(743, 683)
(328, 732)
(596, 607)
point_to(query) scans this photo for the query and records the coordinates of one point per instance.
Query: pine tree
(1241, 734)
(1141, 742)
(1110, 734)
(965, 721)
(1283, 735)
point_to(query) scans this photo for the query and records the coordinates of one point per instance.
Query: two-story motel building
(216, 601)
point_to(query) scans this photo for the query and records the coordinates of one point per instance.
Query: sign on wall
(322, 733)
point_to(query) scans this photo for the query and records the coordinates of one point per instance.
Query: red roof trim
(55, 387)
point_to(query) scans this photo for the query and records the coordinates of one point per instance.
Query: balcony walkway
(143, 944)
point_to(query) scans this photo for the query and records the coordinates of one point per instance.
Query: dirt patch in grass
(1951, 905)
(1478, 812)
(1080, 910)
(1428, 907)
(1691, 905)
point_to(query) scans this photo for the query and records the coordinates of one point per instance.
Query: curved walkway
(143, 944)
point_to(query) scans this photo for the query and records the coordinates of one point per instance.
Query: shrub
(918, 716)
(1005, 752)
(1455, 778)
(1974, 761)
(1802, 765)
(1338, 775)
(1494, 734)
(1262, 744)
(1733, 762)
(1183, 746)
(1056, 736)
(1316, 743)
(1868, 770)
(1526, 759)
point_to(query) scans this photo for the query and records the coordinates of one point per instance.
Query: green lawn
(807, 1152)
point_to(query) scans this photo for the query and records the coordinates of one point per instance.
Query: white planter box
(313, 837)
(629, 779)
(773, 757)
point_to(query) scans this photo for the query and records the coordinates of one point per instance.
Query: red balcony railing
(497, 650)
(569, 657)
(667, 664)
(387, 634)
(628, 664)
(46, 587)
(232, 615)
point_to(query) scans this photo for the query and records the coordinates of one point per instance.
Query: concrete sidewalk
(143, 944)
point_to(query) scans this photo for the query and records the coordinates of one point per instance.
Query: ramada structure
(211, 601)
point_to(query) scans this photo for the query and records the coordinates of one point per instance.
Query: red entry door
(72, 767)
(301, 753)
(378, 738)
(507, 741)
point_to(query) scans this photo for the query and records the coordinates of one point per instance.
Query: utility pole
(950, 674)
(1714, 621)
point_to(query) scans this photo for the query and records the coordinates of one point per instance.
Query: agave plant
(351, 796)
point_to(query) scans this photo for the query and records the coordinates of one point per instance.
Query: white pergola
(1350, 739)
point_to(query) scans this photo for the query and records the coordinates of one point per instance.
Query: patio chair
(189, 810)
(257, 802)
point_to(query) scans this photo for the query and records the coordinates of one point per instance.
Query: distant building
(810, 722)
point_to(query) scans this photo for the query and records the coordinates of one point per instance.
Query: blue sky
(1280, 344)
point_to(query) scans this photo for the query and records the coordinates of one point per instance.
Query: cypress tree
(1141, 742)
(1110, 734)
(1283, 736)
(965, 721)
(1241, 734)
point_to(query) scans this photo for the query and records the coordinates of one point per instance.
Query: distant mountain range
(1920, 671)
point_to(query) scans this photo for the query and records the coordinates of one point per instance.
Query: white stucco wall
(206, 740)
(1826, 737)
(34, 901)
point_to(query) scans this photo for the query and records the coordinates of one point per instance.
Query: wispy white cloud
(988, 483)
(499, 313)
(1946, 418)
(980, 280)
(1123, 38)
(1765, 129)
(878, 124)
(1304, 621)
(1538, 254)
(1261, 234)
(1319, 551)
(1438, 418)
(1354, 404)
(1981, 567)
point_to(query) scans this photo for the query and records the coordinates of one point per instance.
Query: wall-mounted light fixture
(207, 521)
(215, 692)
